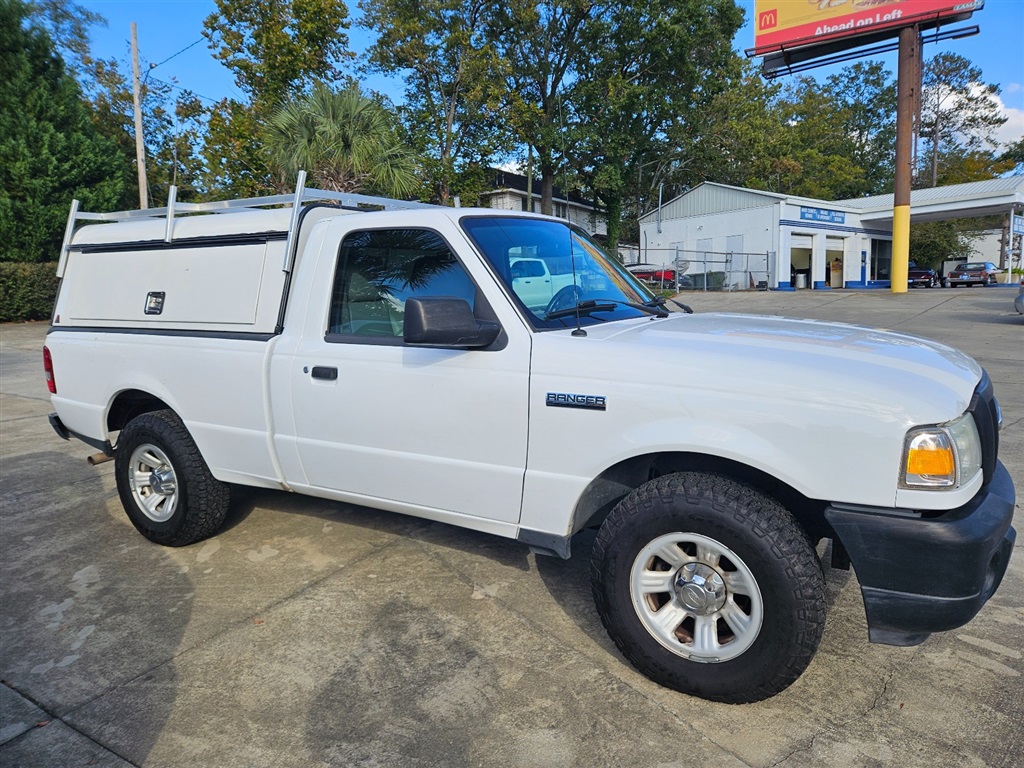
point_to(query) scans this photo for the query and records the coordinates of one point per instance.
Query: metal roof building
(752, 238)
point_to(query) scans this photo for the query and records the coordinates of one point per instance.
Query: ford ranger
(393, 355)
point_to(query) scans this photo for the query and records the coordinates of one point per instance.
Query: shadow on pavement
(82, 616)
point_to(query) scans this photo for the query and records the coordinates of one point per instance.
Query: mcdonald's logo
(768, 19)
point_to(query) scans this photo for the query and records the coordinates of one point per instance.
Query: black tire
(770, 549)
(165, 486)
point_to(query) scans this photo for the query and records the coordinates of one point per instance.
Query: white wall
(987, 247)
(757, 226)
(508, 200)
(505, 201)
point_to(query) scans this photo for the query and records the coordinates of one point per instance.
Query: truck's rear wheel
(164, 484)
(709, 587)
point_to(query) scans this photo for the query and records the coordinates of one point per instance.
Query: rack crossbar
(301, 196)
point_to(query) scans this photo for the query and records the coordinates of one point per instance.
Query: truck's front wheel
(709, 587)
(164, 484)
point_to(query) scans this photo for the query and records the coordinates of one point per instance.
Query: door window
(378, 270)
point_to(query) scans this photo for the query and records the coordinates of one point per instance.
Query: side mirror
(446, 323)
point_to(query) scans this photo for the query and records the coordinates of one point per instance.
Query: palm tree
(344, 140)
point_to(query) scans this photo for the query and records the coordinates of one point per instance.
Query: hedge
(27, 291)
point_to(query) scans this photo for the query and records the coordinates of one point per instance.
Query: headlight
(945, 456)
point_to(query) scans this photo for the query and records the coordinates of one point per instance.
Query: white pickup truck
(385, 358)
(534, 284)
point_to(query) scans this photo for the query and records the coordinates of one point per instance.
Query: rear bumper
(920, 575)
(66, 434)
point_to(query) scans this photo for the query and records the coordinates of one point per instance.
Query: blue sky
(168, 26)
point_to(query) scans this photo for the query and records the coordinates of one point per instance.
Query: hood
(925, 382)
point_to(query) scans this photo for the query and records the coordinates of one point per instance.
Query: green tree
(455, 94)
(933, 242)
(738, 134)
(960, 166)
(1013, 154)
(816, 123)
(959, 113)
(171, 125)
(543, 45)
(346, 141)
(275, 48)
(172, 128)
(235, 164)
(651, 68)
(865, 97)
(68, 25)
(50, 152)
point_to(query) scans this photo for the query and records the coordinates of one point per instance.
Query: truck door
(444, 429)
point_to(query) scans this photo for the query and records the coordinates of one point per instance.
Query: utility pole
(140, 146)
(906, 85)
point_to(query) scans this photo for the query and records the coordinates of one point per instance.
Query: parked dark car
(974, 273)
(921, 277)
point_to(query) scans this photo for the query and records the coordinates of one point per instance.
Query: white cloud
(1013, 88)
(1013, 128)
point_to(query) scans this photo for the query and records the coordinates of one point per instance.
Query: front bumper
(919, 574)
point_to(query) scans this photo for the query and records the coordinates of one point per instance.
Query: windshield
(972, 267)
(550, 268)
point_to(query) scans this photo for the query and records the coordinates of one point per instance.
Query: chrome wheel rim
(153, 483)
(696, 597)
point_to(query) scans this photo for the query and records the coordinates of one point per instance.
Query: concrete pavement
(311, 633)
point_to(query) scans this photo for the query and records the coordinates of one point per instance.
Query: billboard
(780, 24)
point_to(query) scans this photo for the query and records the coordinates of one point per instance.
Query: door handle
(324, 372)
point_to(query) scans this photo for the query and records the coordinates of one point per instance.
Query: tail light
(51, 383)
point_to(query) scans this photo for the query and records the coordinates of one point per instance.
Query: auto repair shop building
(800, 242)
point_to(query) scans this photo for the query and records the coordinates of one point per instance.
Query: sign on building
(822, 214)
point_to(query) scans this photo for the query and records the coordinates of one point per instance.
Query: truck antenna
(575, 286)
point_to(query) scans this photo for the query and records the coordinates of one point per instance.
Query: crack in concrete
(1014, 423)
(21, 418)
(53, 717)
(544, 631)
(808, 744)
(924, 311)
(41, 399)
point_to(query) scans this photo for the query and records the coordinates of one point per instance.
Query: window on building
(881, 259)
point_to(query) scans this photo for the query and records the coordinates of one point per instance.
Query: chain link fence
(685, 270)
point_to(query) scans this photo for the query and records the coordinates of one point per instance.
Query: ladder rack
(301, 196)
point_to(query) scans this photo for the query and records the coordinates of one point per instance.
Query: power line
(197, 42)
(186, 90)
